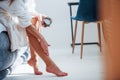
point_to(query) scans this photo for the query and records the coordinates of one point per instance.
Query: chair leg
(99, 35)
(82, 39)
(74, 37)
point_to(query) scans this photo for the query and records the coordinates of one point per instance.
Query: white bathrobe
(16, 30)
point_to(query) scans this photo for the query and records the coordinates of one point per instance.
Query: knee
(7, 57)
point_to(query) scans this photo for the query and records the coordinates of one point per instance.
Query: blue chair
(87, 13)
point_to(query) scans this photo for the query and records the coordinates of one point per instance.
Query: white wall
(59, 34)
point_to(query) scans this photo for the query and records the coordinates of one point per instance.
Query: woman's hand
(38, 18)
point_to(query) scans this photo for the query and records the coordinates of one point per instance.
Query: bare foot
(33, 63)
(36, 70)
(55, 70)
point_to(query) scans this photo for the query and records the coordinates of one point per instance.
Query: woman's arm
(19, 10)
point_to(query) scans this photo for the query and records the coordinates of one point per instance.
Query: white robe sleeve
(18, 9)
(30, 4)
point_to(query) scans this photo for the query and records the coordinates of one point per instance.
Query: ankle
(32, 62)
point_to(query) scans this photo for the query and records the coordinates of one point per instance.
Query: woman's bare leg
(31, 30)
(51, 67)
(33, 61)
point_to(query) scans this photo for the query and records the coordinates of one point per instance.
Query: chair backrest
(87, 10)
